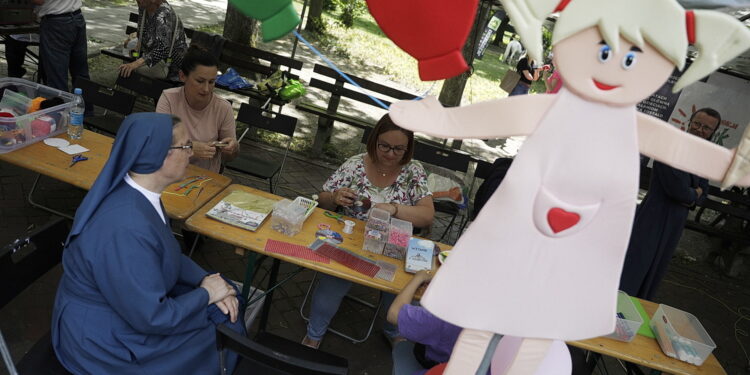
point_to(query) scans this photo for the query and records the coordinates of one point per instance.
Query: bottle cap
(77, 91)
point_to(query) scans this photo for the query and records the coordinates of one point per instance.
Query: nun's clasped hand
(217, 288)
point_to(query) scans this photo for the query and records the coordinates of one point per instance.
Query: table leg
(269, 295)
(249, 273)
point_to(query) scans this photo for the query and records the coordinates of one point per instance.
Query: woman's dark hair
(197, 56)
(384, 125)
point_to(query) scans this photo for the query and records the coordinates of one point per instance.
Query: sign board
(492, 25)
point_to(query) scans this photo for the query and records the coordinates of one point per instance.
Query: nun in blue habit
(129, 301)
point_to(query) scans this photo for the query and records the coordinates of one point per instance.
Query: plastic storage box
(681, 335)
(25, 129)
(399, 234)
(376, 230)
(307, 203)
(628, 319)
(288, 217)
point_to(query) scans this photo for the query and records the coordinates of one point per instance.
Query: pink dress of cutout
(530, 274)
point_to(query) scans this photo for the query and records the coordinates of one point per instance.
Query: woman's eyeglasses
(397, 150)
(188, 147)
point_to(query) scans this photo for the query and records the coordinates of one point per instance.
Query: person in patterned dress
(161, 40)
(388, 178)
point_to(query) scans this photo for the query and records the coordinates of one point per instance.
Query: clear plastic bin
(376, 230)
(288, 217)
(399, 234)
(629, 322)
(681, 335)
(20, 131)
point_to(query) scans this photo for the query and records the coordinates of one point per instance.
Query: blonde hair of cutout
(661, 23)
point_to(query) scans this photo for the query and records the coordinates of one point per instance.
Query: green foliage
(546, 41)
(320, 26)
(350, 11)
(329, 5)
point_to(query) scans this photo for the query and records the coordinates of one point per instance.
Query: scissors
(334, 216)
(76, 159)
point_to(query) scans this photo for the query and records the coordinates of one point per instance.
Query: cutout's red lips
(604, 86)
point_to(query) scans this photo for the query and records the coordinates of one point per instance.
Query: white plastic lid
(77, 91)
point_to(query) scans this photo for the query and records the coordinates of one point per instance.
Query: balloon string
(334, 67)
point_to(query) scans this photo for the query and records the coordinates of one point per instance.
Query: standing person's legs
(56, 38)
(79, 64)
(15, 52)
(520, 89)
(325, 302)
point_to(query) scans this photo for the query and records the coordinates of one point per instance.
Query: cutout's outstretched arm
(684, 151)
(501, 118)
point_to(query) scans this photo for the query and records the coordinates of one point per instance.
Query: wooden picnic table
(645, 351)
(49, 161)
(245, 240)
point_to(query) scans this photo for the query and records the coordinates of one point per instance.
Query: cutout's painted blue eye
(605, 53)
(629, 60)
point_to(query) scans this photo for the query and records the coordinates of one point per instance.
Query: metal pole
(299, 28)
(6, 356)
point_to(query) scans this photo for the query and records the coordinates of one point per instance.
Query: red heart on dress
(560, 220)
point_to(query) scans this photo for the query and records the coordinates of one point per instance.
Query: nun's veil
(141, 145)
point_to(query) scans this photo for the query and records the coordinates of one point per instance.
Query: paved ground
(692, 284)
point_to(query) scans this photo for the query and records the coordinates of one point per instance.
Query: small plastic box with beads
(681, 335)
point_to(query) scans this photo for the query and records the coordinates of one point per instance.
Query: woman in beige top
(209, 119)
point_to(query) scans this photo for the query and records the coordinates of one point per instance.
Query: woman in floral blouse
(386, 176)
(161, 39)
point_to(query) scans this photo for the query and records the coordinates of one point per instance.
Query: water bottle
(75, 128)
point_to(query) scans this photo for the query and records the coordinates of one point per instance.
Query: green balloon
(278, 17)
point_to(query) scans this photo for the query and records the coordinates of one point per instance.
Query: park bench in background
(116, 51)
(116, 105)
(250, 62)
(257, 65)
(341, 88)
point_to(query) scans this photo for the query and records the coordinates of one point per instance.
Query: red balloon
(431, 31)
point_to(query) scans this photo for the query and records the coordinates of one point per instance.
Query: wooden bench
(726, 204)
(342, 88)
(248, 61)
(116, 51)
(258, 65)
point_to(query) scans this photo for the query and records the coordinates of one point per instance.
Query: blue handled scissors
(76, 159)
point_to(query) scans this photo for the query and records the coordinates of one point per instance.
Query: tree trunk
(453, 88)
(240, 28)
(315, 16)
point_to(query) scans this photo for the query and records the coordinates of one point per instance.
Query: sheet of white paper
(73, 149)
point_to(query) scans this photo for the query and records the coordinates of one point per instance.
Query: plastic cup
(348, 226)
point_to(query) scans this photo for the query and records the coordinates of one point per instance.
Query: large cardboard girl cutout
(543, 259)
